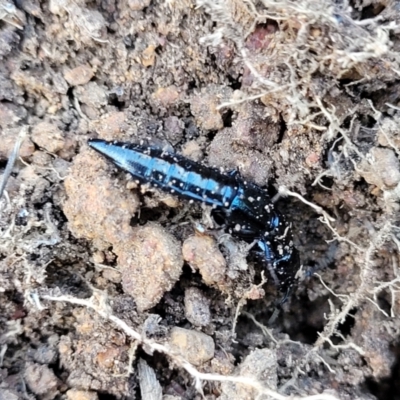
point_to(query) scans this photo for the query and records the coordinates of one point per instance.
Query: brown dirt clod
(202, 253)
(150, 262)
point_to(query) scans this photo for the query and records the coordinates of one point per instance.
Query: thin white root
(363, 290)
(286, 192)
(98, 303)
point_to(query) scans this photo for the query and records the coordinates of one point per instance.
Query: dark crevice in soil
(67, 280)
(70, 95)
(129, 42)
(111, 30)
(327, 181)
(348, 324)
(384, 302)
(368, 121)
(161, 214)
(158, 50)
(192, 85)
(388, 387)
(361, 186)
(344, 81)
(212, 60)
(372, 11)
(234, 83)
(211, 135)
(227, 118)
(282, 130)
(114, 101)
(191, 130)
(308, 324)
(106, 396)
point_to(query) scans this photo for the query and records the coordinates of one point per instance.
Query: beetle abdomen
(171, 172)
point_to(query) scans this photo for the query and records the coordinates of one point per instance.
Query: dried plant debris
(111, 288)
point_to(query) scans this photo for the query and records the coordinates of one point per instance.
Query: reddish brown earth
(109, 290)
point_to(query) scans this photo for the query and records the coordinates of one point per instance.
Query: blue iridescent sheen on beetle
(248, 211)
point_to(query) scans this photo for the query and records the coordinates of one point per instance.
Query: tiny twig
(12, 158)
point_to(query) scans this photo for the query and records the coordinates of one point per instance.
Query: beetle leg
(268, 257)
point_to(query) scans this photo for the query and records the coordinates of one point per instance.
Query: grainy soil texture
(110, 289)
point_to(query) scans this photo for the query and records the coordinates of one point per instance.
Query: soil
(112, 290)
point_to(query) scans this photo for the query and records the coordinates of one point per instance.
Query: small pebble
(166, 96)
(107, 357)
(204, 106)
(111, 126)
(79, 75)
(8, 394)
(260, 365)
(149, 56)
(91, 94)
(138, 5)
(196, 347)
(381, 168)
(174, 127)
(197, 307)
(48, 136)
(41, 380)
(75, 394)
